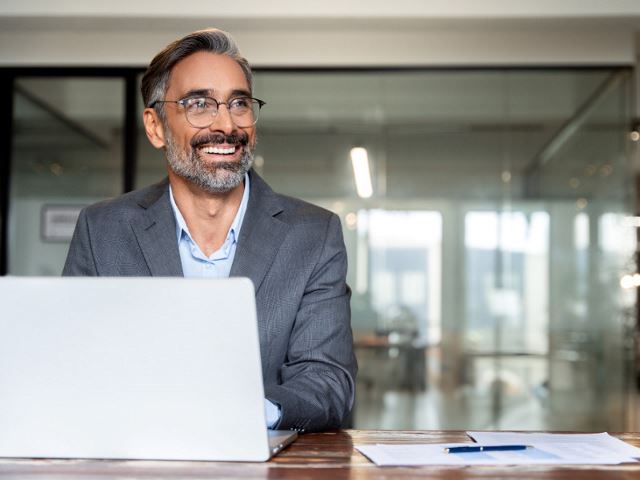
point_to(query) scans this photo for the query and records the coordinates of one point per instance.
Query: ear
(153, 127)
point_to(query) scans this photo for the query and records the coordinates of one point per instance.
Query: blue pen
(486, 448)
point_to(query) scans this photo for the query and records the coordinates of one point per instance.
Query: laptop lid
(131, 368)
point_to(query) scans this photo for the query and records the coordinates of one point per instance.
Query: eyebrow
(240, 93)
(203, 92)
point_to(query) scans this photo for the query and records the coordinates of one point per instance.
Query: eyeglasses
(202, 111)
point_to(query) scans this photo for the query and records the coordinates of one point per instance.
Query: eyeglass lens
(202, 112)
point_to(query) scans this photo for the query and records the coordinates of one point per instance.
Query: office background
(491, 266)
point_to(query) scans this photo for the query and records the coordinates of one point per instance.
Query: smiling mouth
(220, 146)
(218, 150)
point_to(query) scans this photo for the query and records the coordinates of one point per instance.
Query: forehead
(206, 71)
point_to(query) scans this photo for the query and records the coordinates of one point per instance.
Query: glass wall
(485, 267)
(486, 264)
(67, 153)
(590, 252)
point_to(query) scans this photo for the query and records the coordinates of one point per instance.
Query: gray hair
(155, 81)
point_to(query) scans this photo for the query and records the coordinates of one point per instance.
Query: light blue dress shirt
(217, 265)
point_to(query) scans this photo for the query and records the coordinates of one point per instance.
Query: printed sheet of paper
(599, 444)
(541, 453)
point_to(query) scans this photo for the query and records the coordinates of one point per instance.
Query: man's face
(214, 158)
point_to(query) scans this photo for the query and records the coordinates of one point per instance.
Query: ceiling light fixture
(361, 172)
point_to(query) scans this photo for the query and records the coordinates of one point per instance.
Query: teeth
(218, 150)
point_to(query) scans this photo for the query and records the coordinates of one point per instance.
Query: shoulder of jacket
(300, 211)
(129, 202)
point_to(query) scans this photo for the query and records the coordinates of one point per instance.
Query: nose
(223, 122)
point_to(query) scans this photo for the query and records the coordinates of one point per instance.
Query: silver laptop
(132, 368)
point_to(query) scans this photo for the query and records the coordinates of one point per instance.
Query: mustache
(217, 138)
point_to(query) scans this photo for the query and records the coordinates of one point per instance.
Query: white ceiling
(435, 9)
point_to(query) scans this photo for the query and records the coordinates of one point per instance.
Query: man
(215, 217)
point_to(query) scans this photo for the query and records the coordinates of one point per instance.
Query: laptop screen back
(142, 368)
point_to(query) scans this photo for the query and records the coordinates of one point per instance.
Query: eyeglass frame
(261, 103)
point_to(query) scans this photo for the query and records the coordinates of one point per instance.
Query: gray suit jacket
(295, 255)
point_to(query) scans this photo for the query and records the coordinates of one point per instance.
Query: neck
(208, 215)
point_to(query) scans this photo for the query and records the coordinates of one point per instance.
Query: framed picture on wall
(57, 222)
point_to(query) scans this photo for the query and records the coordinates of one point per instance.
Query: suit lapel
(155, 230)
(261, 234)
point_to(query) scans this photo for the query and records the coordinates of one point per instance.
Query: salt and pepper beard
(216, 178)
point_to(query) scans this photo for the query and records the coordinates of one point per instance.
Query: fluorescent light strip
(361, 172)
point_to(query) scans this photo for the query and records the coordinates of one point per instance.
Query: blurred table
(392, 362)
(316, 455)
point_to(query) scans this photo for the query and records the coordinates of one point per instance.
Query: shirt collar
(234, 231)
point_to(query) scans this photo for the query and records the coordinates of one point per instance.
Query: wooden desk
(317, 455)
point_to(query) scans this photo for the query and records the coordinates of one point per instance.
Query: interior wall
(330, 33)
(70, 42)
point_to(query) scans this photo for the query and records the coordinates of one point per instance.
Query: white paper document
(598, 449)
(596, 443)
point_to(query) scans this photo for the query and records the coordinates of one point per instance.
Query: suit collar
(261, 234)
(155, 231)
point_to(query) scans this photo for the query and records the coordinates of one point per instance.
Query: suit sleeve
(80, 261)
(317, 389)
